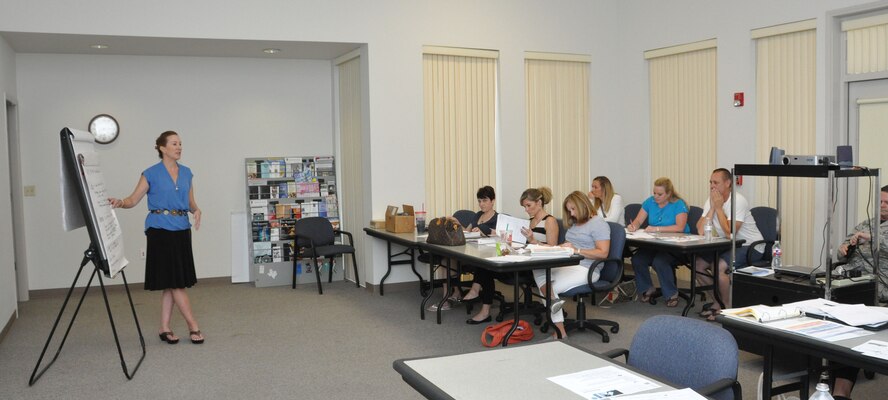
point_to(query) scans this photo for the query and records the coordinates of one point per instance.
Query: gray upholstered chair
(686, 353)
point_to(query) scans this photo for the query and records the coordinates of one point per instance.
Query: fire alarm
(738, 99)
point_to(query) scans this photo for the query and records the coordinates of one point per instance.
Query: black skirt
(169, 263)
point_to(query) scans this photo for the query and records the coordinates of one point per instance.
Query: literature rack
(280, 191)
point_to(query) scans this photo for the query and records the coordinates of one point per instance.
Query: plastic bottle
(821, 392)
(707, 230)
(776, 255)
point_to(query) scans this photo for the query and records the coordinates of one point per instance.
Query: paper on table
(857, 314)
(678, 394)
(604, 382)
(874, 348)
(819, 329)
(507, 222)
(755, 271)
(639, 234)
(549, 251)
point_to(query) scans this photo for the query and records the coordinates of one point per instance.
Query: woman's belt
(170, 212)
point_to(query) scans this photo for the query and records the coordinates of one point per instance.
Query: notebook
(800, 270)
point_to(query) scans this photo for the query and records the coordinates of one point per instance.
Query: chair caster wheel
(653, 302)
(499, 318)
(869, 374)
(537, 321)
(615, 329)
(605, 339)
(544, 328)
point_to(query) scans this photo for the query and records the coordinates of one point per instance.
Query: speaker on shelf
(844, 156)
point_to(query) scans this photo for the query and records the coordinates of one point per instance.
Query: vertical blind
(459, 113)
(785, 117)
(683, 117)
(351, 161)
(867, 44)
(557, 107)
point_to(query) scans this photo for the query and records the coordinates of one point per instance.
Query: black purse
(446, 231)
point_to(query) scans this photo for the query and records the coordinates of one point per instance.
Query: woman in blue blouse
(665, 211)
(169, 264)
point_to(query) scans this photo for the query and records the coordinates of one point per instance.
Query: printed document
(604, 382)
(509, 223)
(682, 394)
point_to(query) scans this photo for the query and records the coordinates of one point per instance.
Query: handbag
(621, 293)
(493, 335)
(446, 231)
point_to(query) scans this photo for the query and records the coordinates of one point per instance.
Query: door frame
(17, 200)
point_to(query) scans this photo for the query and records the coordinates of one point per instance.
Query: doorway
(17, 200)
(868, 134)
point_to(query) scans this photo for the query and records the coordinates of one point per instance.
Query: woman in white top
(608, 204)
(543, 227)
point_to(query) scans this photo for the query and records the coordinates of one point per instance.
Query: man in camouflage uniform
(862, 256)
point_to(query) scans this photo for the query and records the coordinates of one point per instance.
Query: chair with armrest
(694, 215)
(705, 358)
(316, 238)
(630, 212)
(609, 278)
(766, 222)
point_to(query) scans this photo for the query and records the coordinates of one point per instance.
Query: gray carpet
(269, 343)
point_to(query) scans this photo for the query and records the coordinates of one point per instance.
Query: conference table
(769, 339)
(690, 246)
(518, 372)
(479, 256)
(410, 244)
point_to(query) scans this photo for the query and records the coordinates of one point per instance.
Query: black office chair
(630, 211)
(464, 217)
(766, 222)
(694, 215)
(609, 278)
(316, 238)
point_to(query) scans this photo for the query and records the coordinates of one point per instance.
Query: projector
(808, 160)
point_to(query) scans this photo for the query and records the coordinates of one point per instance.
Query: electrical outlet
(30, 191)
(142, 253)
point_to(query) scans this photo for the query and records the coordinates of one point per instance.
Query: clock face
(104, 128)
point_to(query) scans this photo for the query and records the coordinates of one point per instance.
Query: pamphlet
(765, 313)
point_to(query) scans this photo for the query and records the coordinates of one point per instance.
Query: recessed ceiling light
(98, 46)
(271, 51)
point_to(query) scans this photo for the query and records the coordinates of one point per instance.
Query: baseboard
(393, 287)
(7, 326)
(43, 293)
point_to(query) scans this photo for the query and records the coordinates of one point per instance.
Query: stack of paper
(765, 313)
(549, 251)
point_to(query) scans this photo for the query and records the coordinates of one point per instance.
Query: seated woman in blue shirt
(665, 211)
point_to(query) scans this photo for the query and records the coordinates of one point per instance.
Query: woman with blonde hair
(665, 211)
(543, 227)
(608, 204)
(589, 236)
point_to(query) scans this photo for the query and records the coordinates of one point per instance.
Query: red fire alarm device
(738, 99)
(739, 180)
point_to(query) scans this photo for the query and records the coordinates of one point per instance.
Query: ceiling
(53, 43)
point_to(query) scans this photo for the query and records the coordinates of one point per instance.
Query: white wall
(614, 32)
(8, 295)
(224, 109)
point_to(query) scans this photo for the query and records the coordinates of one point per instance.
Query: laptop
(800, 270)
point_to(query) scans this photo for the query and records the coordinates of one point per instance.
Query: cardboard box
(399, 223)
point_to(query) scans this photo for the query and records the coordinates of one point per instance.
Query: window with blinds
(684, 116)
(867, 44)
(557, 108)
(459, 114)
(785, 117)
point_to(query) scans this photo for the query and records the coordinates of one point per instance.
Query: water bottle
(707, 230)
(776, 254)
(821, 392)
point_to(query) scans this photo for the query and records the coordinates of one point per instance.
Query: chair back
(766, 222)
(464, 217)
(612, 271)
(630, 212)
(685, 351)
(318, 229)
(694, 215)
(562, 231)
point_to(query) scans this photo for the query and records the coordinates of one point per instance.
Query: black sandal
(646, 296)
(672, 302)
(167, 337)
(197, 333)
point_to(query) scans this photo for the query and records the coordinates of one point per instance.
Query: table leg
(515, 302)
(388, 270)
(715, 271)
(767, 371)
(693, 295)
(425, 300)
